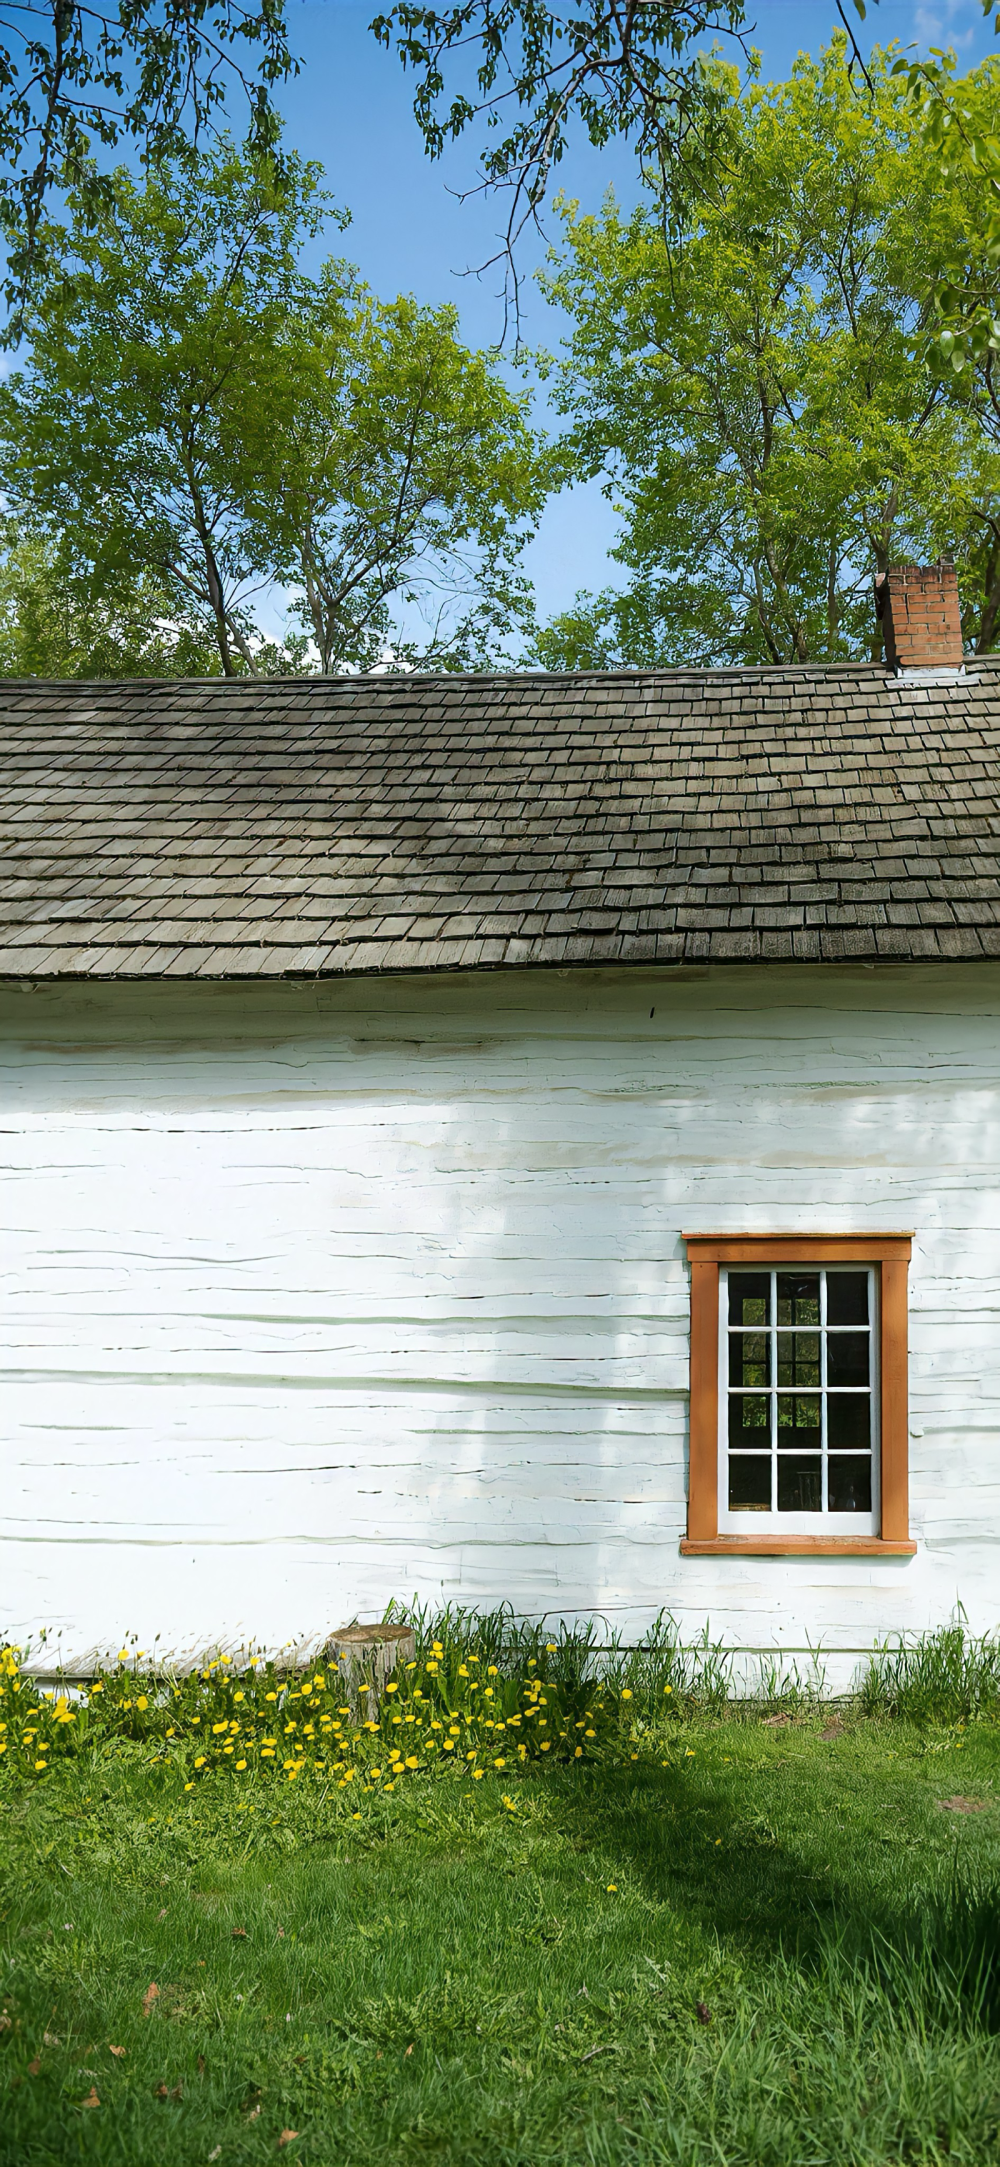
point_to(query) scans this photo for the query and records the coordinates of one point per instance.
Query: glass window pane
(749, 1422)
(749, 1358)
(798, 1358)
(849, 1485)
(847, 1298)
(749, 1484)
(798, 1297)
(847, 1358)
(798, 1422)
(849, 1422)
(749, 1297)
(800, 1483)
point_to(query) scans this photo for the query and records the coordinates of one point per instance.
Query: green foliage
(454, 1707)
(406, 475)
(942, 1677)
(775, 1948)
(199, 419)
(960, 122)
(56, 623)
(150, 71)
(755, 394)
(633, 72)
(156, 380)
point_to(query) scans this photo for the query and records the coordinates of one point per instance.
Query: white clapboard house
(504, 1138)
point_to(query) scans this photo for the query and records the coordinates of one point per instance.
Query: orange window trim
(890, 1253)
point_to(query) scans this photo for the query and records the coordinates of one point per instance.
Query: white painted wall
(316, 1295)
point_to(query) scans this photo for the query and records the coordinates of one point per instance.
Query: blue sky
(351, 108)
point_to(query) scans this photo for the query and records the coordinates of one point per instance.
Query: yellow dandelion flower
(477, 1773)
(412, 1761)
(241, 1765)
(200, 1762)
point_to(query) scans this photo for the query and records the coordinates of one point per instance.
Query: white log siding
(317, 1294)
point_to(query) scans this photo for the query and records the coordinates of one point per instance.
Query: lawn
(754, 1942)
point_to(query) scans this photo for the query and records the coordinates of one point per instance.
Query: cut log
(366, 1655)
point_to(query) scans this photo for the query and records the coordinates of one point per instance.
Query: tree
(755, 396)
(619, 67)
(53, 623)
(153, 71)
(408, 476)
(155, 384)
(198, 410)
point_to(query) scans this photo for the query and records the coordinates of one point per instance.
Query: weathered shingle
(393, 823)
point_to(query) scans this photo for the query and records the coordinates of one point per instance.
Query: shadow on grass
(938, 1946)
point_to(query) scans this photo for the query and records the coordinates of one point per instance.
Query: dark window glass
(849, 1485)
(798, 1358)
(848, 1422)
(749, 1484)
(798, 1297)
(800, 1483)
(847, 1358)
(749, 1423)
(847, 1298)
(749, 1297)
(749, 1358)
(798, 1422)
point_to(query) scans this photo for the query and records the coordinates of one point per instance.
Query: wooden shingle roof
(219, 829)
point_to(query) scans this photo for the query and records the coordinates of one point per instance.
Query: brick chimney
(920, 616)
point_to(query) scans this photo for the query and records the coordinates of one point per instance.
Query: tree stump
(366, 1655)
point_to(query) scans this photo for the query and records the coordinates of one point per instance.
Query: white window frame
(755, 1522)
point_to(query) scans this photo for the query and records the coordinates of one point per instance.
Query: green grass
(437, 1975)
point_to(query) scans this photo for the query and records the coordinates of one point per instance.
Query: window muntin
(798, 1399)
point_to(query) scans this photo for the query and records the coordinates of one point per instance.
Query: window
(798, 1394)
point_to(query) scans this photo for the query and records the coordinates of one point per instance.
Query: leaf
(159, 2091)
(286, 2137)
(151, 1995)
(115, 2050)
(963, 1805)
(239, 1933)
(34, 2067)
(49, 2039)
(92, 2099)
(703, 2012)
